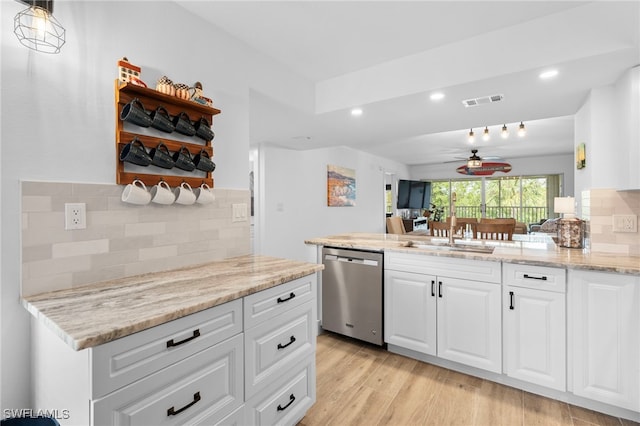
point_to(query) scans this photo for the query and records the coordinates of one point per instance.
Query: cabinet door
(469, 323)
(410, 311)
(605, 326)
(534, 327)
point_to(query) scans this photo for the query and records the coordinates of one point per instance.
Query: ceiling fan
(474, 152)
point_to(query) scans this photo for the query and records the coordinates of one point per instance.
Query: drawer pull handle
(173, 412)
(196, 333)
(543, 278)
(291, 296)
(511, 301)
(439, 288)
(433, 288)
(291, 399)
(291, 340)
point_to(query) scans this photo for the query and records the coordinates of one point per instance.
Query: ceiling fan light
(485, 134)
(521, 130)
(474, 161)
(504, 133)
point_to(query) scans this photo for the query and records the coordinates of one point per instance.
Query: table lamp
(569, 226)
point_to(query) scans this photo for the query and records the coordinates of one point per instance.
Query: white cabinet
(469, 323)
(280, 347)
(605, 331)
(248, 361)
(410, 311)
(534, 324)
(448, 312)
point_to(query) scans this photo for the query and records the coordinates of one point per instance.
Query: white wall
(58, 118)
(557, 164)
(608, 123)
(292, 203)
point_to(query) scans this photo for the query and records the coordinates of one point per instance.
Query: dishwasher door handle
(357, 261)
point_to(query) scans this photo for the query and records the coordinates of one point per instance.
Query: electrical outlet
(75, 216)
(625, 223)
(239, 212)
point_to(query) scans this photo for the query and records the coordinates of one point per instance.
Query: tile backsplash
(121, 239)
(598, 207)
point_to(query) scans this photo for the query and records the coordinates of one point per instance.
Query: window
(526, 198)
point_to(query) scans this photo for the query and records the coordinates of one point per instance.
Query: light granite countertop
(98, 313)
(532, 249)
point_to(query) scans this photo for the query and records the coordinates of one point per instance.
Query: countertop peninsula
(94, 314)
(531, 249)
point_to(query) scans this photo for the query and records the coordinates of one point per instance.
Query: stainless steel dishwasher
(352, 293)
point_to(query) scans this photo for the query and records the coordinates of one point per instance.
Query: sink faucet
(453, 217)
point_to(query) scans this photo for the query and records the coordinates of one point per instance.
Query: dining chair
(395, 225)
(461, 224)
(439, 229)
(494, 231)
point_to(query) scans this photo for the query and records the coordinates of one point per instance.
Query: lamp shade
(564, 205)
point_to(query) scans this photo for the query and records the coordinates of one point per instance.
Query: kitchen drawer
(234, 419)
(535, 277)
(262, 306)
(123, 361)
(273, 346)
(208, 384)
(442, 266)
(286, 401)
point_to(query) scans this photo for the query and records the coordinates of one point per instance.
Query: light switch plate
(239, 212)
(625, 223)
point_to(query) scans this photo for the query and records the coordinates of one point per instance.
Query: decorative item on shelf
(162, 194)
(569, 227)
(199, 97)
(129, 73)
(136, 193)
(182, 159)
(161, 120)
(184, 194)
(183, 91)
(135, 113)
(136, 153)
(203, 161)
(183, 124)
(204, 195)
(165, 85)
(161, 157)
(203, 129)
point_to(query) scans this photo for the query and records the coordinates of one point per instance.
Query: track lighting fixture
(37, 29)
(504, 133)
(521, 130)
(472, 136)
(485, 134)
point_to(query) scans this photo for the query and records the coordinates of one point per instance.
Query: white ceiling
(388, 56)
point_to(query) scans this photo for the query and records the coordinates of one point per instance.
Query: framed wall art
(581, 157)
(341, 186)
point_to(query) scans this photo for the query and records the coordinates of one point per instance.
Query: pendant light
(37, 29)
(485, 134)
(474, 161)
(521, 130)
(504, 133)
(472, 136)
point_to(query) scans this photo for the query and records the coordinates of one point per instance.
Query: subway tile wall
(121, 239)
(598, 207)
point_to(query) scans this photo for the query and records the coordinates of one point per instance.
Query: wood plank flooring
(362, 384)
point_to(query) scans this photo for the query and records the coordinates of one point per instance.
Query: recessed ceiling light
(548, 74)
(356, 111)
(437, 96)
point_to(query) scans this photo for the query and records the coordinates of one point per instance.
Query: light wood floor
(362, 384)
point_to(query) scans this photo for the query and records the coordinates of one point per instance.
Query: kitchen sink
(471, 248)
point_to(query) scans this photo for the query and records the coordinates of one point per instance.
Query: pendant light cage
(37, 28)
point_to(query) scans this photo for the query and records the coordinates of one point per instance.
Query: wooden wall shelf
(151, 99)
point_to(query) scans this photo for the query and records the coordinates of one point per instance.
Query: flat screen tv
(413, 194)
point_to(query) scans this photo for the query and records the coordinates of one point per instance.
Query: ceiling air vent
(483, 100)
